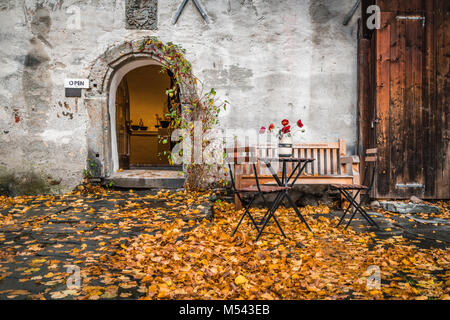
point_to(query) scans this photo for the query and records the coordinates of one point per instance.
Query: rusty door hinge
(409, 185)
(412, 18)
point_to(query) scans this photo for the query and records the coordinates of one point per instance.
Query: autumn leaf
(240, 280)
(164, 290)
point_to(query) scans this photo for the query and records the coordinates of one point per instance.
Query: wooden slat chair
(351, 192)
(243, 160)
(332, 165)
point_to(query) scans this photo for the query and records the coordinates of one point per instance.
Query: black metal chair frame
(282, 194)
(258, 193)
(351, 198)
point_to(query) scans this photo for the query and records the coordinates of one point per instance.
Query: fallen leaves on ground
(157, 246)
(207, 263)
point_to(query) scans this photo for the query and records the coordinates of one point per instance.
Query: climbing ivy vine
(196, 106)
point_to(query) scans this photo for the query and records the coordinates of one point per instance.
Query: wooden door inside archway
(143, 127)
(123, 124)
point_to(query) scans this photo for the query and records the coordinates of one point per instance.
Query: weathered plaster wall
(271, 59)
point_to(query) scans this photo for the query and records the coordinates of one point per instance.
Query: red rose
(262, 130)
(286, 129)
(285, 122)
(299, 123)
(271, 127)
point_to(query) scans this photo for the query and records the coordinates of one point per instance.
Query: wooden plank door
(442, 102)
(123, 125)
(399, 106)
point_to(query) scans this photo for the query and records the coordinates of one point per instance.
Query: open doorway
(143, 130)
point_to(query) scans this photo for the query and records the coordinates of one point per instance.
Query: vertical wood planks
(442, 141)
(428, 110)
(364, 92)
(397, 102)
(326, 157)
(412, 56)
(417, 69)
(382, 104)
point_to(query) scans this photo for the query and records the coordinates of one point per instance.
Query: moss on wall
(27, 183)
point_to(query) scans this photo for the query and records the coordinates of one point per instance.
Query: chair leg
(367, 217)
(351, 218)
(270, 208)
(350, 205)
(345, 212)
(253, 220)
(263, 226)
(364, 198)
(297, 211)
(274, 208)
(271, 211)
(364, 213)
(278, 224)
(358, 208)
(246, 211)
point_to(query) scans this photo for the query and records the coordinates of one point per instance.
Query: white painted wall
(272, 59)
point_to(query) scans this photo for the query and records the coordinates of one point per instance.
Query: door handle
(373, 122)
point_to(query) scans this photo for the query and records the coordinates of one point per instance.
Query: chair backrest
(370, 168)
(326, 154)
(242, 161)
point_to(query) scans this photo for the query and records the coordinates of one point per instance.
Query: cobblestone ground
(41, 237)
(44, 240)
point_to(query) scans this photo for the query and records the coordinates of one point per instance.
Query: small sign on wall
(73, 86)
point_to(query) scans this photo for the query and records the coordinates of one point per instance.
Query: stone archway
(106, 73)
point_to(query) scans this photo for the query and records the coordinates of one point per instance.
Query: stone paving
(43, 236)
(424, 233)
(46, 236)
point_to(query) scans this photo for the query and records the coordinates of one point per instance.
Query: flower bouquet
(284, 135)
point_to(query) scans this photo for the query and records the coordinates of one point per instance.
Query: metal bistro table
(286, 181)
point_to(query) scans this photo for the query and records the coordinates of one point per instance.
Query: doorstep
(138, 178)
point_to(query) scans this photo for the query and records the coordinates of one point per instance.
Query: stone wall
(272, 59)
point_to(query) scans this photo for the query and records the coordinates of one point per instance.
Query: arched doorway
(143, 127)
(106, 76)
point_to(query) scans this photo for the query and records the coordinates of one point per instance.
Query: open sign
(76, 83)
